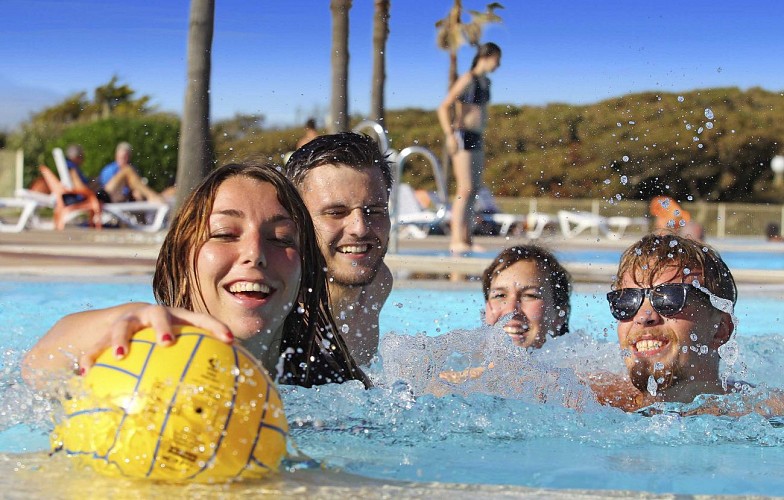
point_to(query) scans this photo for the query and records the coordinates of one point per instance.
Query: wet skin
(521, 289)
(349, 210)
(249, 269)
(679, 352)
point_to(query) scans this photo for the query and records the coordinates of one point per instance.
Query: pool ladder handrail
(398, 160)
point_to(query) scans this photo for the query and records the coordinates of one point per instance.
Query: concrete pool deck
(88, 253)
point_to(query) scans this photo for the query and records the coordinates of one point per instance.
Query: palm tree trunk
(194, 156)
(339, 102)
(380, 35)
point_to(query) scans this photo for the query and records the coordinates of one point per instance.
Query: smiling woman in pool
(529, 283)
(526, 287)
(240, 260)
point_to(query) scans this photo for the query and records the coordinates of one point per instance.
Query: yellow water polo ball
(199, 410)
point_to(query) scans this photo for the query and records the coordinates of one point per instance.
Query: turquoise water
(495, 431)
(769, 257)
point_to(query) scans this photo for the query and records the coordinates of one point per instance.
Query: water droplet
(625, 158)
(652, 386)
(703, 349)
(398, 304)
(709, 125)
(673, 243)
(729, 351)
(693, 337)
(624, 180)
(607, 181)
(680, 98)
(686, 271)
(658, 365)
(709, 113)
(344, 328)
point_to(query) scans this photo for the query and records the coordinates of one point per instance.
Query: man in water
(345, 182)
(673, 298)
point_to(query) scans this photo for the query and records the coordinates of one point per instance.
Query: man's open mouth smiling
(354, 249)
(649, 345)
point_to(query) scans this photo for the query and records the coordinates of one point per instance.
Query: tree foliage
(452, 32)
(632, 146)
(154, 141)
(45, 127)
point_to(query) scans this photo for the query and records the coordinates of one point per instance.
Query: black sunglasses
(667, 300)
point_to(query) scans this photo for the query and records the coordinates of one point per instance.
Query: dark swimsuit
(477, 94)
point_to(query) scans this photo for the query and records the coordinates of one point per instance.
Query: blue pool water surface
(735, 259)
(477, 436)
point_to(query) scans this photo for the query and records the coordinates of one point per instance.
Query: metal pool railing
(398, 160)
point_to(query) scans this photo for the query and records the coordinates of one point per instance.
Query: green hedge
(154, 140)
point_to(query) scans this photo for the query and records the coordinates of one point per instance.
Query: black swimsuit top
(475, 93)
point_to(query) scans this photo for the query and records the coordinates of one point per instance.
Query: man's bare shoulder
(615, 390)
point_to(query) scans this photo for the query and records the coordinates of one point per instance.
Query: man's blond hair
(654, 254)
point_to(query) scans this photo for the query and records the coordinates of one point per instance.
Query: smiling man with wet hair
(673, 299)
(345, 182)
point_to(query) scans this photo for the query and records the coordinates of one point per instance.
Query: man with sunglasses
(673, 298)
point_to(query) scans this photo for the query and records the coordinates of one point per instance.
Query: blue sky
(272, 56)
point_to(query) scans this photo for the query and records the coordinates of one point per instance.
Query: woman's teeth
(247, 286)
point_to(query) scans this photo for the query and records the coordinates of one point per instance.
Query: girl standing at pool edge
(239, 260)
(470, 93)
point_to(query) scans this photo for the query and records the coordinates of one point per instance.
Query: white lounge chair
(536, 223)
(413, 219)
(142, 215)
(27, 207)
(417, 220)
(574, 223)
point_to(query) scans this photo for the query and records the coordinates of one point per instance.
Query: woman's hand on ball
(160, 318)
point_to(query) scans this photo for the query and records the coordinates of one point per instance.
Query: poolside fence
(720, 219)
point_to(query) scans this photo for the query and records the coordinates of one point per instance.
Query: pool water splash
(520, 423)
(389, 433)
(482, 360)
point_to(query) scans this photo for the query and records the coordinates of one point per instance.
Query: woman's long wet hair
(486, 50)
(315, 352)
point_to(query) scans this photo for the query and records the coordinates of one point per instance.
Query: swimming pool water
(474, 436)
(735, 259)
